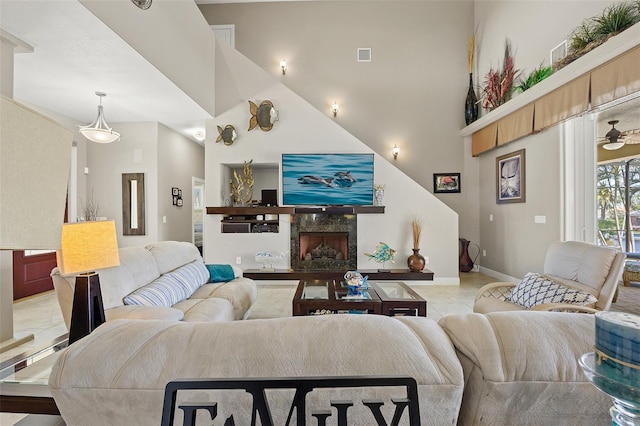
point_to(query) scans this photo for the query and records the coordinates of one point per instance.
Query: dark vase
(466, 264)
(471, 103)
(416, 261)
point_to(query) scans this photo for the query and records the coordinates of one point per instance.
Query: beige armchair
(574, 265)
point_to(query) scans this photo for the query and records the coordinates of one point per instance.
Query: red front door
(31, 274)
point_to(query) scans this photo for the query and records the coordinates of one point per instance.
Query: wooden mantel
(611, 49)
(295, 210)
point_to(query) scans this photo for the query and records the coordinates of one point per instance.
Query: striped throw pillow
(163, 291)
(191, 276)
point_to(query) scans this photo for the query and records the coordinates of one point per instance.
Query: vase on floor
(466, 264)
(471, 103)
(416, 261)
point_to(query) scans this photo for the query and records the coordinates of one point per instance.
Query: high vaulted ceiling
(75, 54)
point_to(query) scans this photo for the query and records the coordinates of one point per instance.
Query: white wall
(171, 35)
(179, 159)
(533, 27)
(303, 129)
(515, 244)
(136, 152)
(411, 94)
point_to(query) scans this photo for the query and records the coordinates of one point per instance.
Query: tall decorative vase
(466, 264)
(471, 103)
(416, 261)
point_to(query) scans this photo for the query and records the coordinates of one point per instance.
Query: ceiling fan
(615, 139)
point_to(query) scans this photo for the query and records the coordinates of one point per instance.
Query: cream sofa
(499, 369)
(142, 266)
(522, 368)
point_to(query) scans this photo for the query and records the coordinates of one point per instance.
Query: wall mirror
(133, 204)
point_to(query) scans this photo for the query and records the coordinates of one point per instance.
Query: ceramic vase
(466, 264)
(378, 195)
(471, 103)
(416, 262)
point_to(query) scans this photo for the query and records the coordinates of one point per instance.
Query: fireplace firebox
(324, 242)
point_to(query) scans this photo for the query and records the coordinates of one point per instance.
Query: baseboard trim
(499, 275)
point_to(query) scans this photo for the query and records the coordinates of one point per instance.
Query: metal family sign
(260, 409)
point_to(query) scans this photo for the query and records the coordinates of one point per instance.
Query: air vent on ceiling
(364, 54)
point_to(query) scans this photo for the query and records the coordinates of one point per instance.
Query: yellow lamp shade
(88, 246)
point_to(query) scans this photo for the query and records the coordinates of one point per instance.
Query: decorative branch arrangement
(90, 208)
(498, 84)
(416, 231)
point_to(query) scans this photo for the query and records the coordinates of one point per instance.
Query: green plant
(617, 17)
(535, 77)
(585, 34)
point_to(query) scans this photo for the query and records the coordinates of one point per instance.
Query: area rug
(628, 299)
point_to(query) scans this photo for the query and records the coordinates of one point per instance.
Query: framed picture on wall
(511, 178)
(174, 191)
(444, 183)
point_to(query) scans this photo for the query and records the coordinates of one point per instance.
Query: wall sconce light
(395, 151)
(283, 66)
(334, 109)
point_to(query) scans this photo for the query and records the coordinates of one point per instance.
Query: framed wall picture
(511, 178)
(174, 191)
(444, 183)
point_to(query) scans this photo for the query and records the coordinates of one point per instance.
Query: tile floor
(41, 316)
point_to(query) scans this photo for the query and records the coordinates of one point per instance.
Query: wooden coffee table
(316, 297)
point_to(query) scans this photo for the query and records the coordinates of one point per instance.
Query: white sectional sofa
(497, 369)
(162, 266)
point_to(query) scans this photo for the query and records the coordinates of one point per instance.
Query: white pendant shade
(611, 146)
(99, 131)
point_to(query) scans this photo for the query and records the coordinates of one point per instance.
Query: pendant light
(612, 137)
(99, 131)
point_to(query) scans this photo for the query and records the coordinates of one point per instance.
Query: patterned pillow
(163, 291)
(191, 276)
(536, 289)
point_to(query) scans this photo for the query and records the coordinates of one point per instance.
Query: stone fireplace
(324, 242)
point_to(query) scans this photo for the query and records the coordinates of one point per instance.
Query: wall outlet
(238, 260)
(491, 218)
(426, 260)
(484, 253)
(164, 219)
(539, 219)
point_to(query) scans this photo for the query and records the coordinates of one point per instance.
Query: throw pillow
(191, 276)
(220, 273)
(163, 291)
(536, 289)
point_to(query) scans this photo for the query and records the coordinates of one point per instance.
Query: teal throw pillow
(220, 273)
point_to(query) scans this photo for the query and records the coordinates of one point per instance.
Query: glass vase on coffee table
(625, 395)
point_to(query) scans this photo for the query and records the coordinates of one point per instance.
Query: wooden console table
(289, 274)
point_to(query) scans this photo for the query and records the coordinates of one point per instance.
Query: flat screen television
(327, 179)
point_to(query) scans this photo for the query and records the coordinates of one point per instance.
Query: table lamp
(86, 247)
